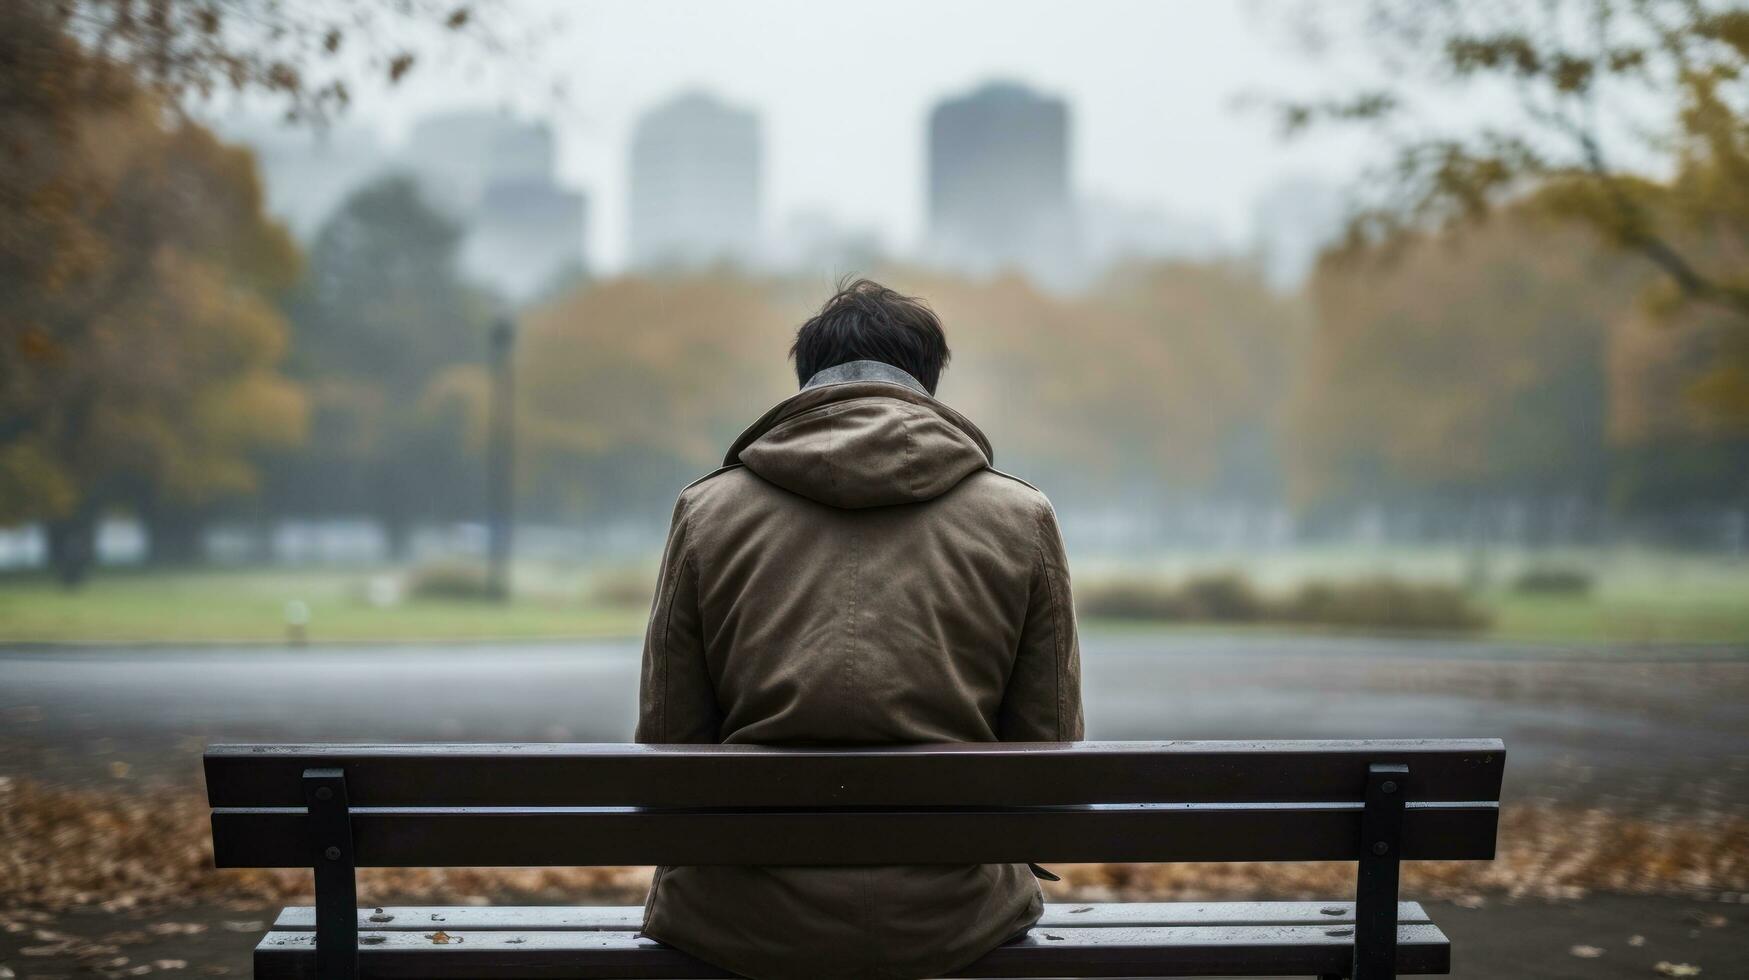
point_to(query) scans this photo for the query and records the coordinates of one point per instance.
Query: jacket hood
(862, 437)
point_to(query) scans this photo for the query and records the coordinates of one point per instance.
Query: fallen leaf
(439, 937)
(170, 964)
(1636, 940)
(1586, 952)
(1666, 968)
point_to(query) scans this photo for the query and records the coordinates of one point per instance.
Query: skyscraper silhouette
(695, 176)
(999, 191)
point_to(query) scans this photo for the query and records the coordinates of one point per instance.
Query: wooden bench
(340, 807)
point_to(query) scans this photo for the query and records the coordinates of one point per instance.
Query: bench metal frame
(327, 841)
(336, 871)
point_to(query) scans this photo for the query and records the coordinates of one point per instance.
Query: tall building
(495, 175)
(695, 176)
(999, 182)
(455, 155)
(307, 174)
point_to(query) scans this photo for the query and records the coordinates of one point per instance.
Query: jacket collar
(823, 390)
(865, 371)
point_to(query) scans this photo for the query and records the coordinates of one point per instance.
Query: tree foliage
(1460, 365)
(1482, 366)
(306, 56)
(137, 277)
(1626, 117)
(630, 388)
(389, 340)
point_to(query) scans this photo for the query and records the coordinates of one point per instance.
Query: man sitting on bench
(858, 574)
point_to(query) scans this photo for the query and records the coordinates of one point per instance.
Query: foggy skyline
(843, 92)
(694, 188)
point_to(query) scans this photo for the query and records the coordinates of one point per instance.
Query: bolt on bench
(337, 808)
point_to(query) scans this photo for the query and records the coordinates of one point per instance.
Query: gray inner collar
(865, 371)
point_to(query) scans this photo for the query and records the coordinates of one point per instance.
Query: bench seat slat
(985, 774)
(629, 918)
(578, 837)
(1270, 950)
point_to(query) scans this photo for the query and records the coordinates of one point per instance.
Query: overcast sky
(843, 89)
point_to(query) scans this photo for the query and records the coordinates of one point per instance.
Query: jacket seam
(1058, 654)
(680, 564)
(908, 467)
(850, 623)
(1016, 479)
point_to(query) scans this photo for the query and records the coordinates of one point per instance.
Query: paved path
(1649, 733)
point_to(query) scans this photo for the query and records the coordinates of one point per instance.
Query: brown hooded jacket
(857, 574)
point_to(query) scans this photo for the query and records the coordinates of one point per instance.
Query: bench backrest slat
(566, 837)
(576, 805)
(1001, 774)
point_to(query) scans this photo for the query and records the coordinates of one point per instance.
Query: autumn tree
(1162, 381)
(307, 58)
(138, 337)
(1675, 450)
(1167, 381)
(1462, 373)
(631, 388)
(1629, 118)
(137, 276)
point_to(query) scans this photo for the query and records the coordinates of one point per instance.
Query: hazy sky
(843, 89)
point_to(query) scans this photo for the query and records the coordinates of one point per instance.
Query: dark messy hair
(866, 321)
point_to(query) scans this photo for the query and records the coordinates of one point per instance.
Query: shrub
(1551, 580)
(1383, 603)
(1130, 599)
(1230, 598)
(1226, 597)
(626, 588)
(450, 580)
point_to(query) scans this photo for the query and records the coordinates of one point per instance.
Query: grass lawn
(1674, 617)
(1645, 598)
(1638, 595)
(249, 605)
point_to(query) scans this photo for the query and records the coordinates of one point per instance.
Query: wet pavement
(1639, 730)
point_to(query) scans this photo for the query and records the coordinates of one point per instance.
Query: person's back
(857, 574)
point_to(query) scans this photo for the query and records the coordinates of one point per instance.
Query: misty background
(1386, 361)
(533, 288)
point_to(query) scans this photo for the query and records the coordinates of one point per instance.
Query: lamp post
(500, 459)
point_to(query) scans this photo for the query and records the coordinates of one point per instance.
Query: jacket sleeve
(676, 700)
(1043, 700)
